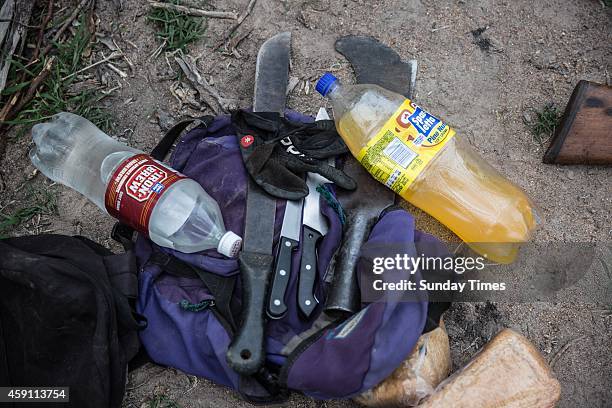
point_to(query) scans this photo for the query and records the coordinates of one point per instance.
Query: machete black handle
(276, 305)
(308, 271)
(344, 296)
(246, 352)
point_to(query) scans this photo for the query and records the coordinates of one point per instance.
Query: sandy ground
(538, 52)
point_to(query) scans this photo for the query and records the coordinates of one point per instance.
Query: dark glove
(277, 152)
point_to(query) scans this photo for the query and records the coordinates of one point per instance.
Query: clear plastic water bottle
(173, 210)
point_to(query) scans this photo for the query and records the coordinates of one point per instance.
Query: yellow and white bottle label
(404, 146)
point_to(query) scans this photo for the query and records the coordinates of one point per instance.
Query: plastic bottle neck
(334, 91)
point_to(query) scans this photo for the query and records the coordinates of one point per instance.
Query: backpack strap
(221, 287)
(122, 273)
(124, 235)
(165, 144)
(121, 268)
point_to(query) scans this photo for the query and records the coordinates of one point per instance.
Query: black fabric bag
(66, 317)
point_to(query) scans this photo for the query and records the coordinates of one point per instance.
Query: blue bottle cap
(324, 84)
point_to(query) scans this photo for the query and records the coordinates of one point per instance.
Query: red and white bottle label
(135, 188)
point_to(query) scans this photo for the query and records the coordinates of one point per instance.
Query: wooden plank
(6, 17)
(585, 133)
(12, 34)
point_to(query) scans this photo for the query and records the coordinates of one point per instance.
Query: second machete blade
(376, 63)
(373, 63)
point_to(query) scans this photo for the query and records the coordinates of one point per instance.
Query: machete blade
(272, 74)
(376, 63)
(373, 63)
(246, 353)
(271, 77)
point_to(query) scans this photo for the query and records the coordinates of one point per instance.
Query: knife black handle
(246, 352)
(308, 271)
(276, 305)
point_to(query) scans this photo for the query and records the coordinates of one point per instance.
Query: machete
(246, 353)
(373, 63)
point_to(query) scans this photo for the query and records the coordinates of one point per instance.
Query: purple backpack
(192, 301)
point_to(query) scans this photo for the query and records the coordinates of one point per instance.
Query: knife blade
(322, 114)
(313, 230)
(315, 227)
(246, 352)
(288, 242)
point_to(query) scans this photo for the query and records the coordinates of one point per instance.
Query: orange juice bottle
(422, 159)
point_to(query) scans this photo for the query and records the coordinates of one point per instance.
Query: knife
(246, 352)
(322, 115)
(288, 242)
(315, 227)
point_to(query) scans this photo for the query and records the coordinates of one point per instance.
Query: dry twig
(124, 56)
(95, 64)
(66, 24)
(130, 43)
(17, 101)
(16, 104)
(232, 29)
(117, 70)
(15, 16)
(235, 41)
(43, 27)
(194, 11)
(433, 30)
(158, 50)
(205, 90)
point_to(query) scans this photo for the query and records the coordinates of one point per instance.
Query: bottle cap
(324, 84)
(229, 245)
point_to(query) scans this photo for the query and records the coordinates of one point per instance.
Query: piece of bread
(417, 377)
(508, 372)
